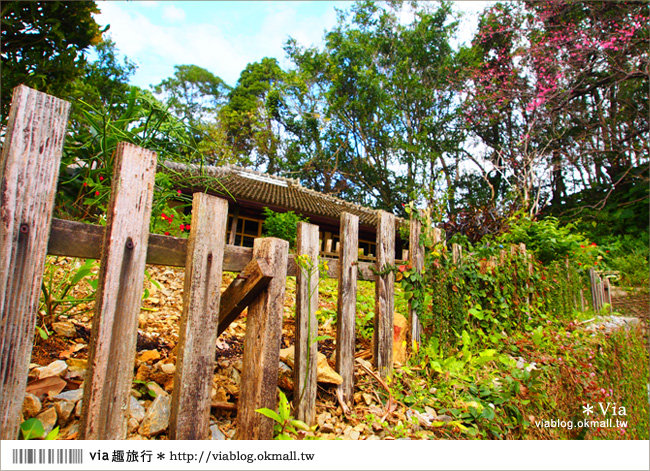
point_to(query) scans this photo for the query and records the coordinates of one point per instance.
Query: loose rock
(31, 406)
(65, 329)
(73, 395)
(133, 425)
(156, 389)
(136, 410)
(215, 433)
(48, 419)
(168, 368)
(64, 410)
(56, 368)
(149, 356)
(156, 419)
(325, 373)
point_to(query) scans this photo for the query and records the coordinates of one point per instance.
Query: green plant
(285, 427)
(32, 429)
(282, 225)
(143, 388)
(61, 275)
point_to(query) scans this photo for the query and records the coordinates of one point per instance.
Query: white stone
(56, 368)
(73, 395)
(168, 368)
(136, 410)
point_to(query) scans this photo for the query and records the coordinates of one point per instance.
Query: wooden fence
(29, 168)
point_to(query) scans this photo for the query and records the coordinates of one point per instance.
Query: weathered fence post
(596, 287)
(347, 304)
(115, 323)
(259, 381)
(416, 260)
(190, 409)
(456, 254)
(306, 347)
(29, 168)
(384, 294)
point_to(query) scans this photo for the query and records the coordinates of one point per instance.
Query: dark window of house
(247, 231)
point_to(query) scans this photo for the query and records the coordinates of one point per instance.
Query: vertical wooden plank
(111, 354)
(347, 304)
(190, 409)
(262, 345)
(384, 294)
(29, 169)
(306, 349)
(416, 260)
(233, 225)
(457, 254)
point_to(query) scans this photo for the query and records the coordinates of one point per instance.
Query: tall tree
(384, 101)
(558, 93)
(193, 93)
(252, 117)
(43, 45)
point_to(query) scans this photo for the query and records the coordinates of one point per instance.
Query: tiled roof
(251, 185)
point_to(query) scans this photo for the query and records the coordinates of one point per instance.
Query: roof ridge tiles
(232, 169)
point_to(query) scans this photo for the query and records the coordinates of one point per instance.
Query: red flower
(582, 246)
(182, 227)
(85, 184)
(187, 227)
(166, 233)
(179, 192)
(402, 268)
(101, 178)
(97, 193)
(593, 244)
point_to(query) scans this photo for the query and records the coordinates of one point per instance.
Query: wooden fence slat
(29, 169)
(306, 348)
(77, 239)
(347, 304)
(457, 254)
(384, 295)
(416, 260)
(242, 291)
(190, 408)
(262, 346)
(112, 345)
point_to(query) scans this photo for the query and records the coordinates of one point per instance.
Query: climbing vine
(491, 290)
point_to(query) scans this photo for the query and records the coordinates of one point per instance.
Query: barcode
(36, 456)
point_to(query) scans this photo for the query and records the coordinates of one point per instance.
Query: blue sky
(222, 36)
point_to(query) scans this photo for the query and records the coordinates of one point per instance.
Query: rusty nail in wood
(24, 228)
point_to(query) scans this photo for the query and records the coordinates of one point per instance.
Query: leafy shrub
(282, 225)
(629, 256)
(547, 239)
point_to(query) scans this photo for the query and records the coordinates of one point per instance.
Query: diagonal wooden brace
(242, 291)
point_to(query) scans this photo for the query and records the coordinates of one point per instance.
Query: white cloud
(173, 14)
(160, 47)
(224, 51)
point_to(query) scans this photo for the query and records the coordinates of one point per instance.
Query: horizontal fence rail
(83, 240)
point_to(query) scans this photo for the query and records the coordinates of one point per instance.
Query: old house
(249, 192)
